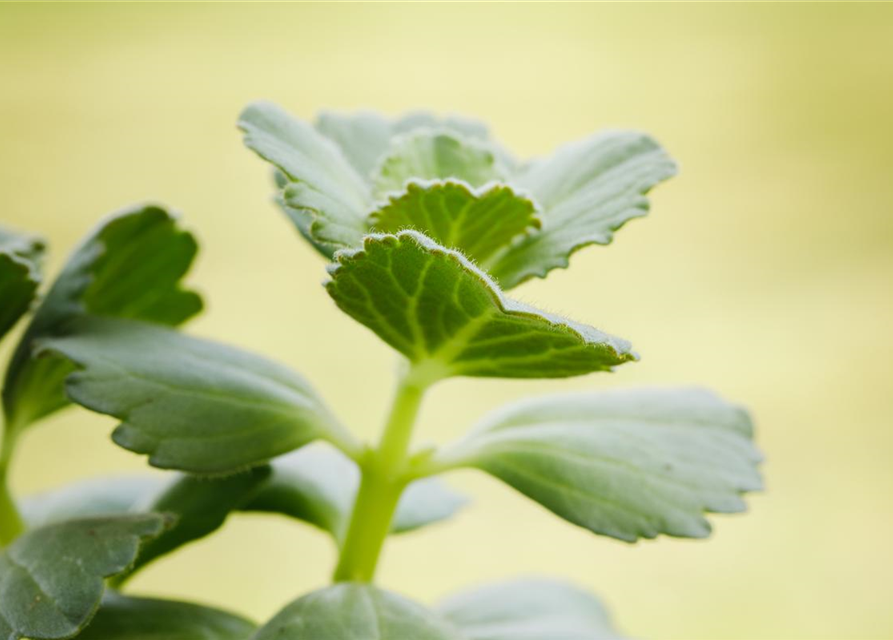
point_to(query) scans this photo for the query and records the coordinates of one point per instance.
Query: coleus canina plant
(425, 223)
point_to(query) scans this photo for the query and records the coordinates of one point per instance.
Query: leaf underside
(529, 609)
(51, 578)
(626, 464)
(434, 306)
(126, 618)
(187, 403)
(129, 267)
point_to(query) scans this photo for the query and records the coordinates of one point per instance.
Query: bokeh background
(765, 270)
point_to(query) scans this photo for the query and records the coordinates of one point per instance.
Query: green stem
(382, 484)
(11, 524)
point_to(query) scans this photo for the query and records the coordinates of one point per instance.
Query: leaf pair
(523, 610)
(437, 179)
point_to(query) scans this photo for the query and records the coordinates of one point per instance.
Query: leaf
(126, 618)
(20, 258)
(51, 579)
(431, 155)
(319, 485)
(531, 609)
(191, 404)
(587, 190)
(201, 506)
(90, 498)
(626, 464)
(350, 611)
(443, 313)
(327, 199)
(365, 136)
(476, 222)
(129, 267)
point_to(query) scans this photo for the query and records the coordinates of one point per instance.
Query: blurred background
(764, 271)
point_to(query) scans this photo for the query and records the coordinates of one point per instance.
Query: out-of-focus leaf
(20, 276)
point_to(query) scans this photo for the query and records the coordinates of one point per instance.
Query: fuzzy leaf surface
(434, 306)
(529, 609)
(625, 464)
(365, 136)
(51, 578)
(350, 611)
(20, 276)
(325, 197)
(587, 190)
(432, 155)
(190, 404)
(476, 222)
(319, 485)
(126, 618)
(129, 267)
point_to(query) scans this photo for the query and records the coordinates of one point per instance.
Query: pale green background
(764, 271)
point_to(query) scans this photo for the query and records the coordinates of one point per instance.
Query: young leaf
(327, 199)
(437, 308)
(51, 579)
(365, 136)
(125, 618)
(319, 485)
(529, 609)
(432, 155)
(476, 222)
(129, 267)
(587, 190)
(90, 498)
(626, 464)
(191, 404)
(350, 611)
(200, 505)
(19, 276)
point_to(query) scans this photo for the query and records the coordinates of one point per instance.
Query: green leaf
(191, 404)
(51, 579)
(476, 222)
(201, 506)
(327, 199)
(365, 136)
(529, 609)
(126, 618)
(91, 498)
(319, 485)
(587, 190)
(626, 464)
(446, 315)
(129, 267)
(20, 258)
(431, 155)
(349, 611)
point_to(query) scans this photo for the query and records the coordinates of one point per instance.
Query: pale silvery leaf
(432, 155)
(191, 404)
(127, 618)
(586, 190)
(326, 198)
(319, 485)
(350, 611)
(476, 222)
(626, 464)
(51, 578)
(90, 498)
(529, 609)
(448, 317)
(129, 267)
(20, 258)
